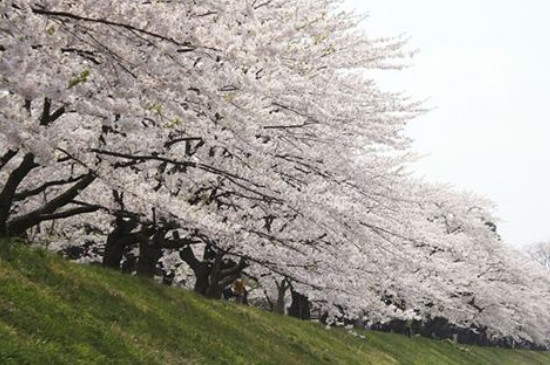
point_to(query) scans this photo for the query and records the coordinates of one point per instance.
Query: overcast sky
(485, 65)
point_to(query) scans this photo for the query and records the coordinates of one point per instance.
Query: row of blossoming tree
(243, 138)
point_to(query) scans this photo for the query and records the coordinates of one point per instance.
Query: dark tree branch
(47, 117)
(176, 244)
(265, 3)
(62, 14)
(20, 224)
(187, 255)
(58, 113)
(174, 141)
(75, 159)
(89, 55)
(69, 213)
(291, 126)
(7, 157)
(144, 158)
(28, 105)
(231, 177)
(235, 269)
(84, 204)
(8, 192)
(70, 194)
(32, 192)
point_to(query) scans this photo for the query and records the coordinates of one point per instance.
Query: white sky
(485, 65)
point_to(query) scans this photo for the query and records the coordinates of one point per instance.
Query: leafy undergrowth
(56, 312)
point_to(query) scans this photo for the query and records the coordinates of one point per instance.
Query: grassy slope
(53, 311)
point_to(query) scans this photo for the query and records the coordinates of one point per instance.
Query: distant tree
(540, 252)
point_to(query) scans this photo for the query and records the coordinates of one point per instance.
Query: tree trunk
(7, 193)
(214, 290)
(211, 277)
(202, 273)
(282, 287)
(149, 254)
(215, 285)
(117, 241)
(300, 307)
(114, 249)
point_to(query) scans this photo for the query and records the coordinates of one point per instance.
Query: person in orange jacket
(238, 291)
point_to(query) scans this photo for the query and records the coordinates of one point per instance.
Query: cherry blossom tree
(241, 137)
(95, 73)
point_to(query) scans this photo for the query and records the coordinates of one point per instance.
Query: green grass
(56, 312)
